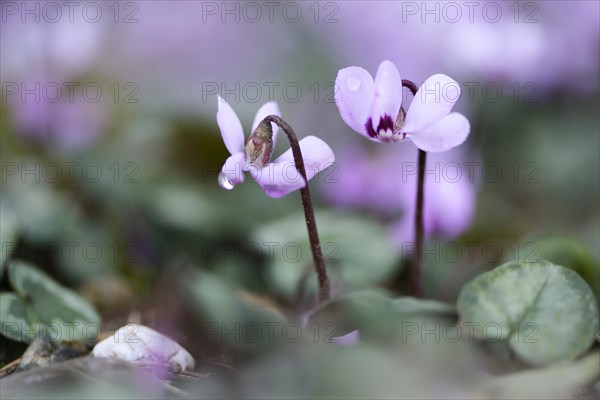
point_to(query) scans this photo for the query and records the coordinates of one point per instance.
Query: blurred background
(110, 147)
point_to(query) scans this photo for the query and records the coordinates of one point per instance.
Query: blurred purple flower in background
(62, 49)
(151, 47)
(449, 209)
(383, 182)
(374, 110)
(375, 30)
(365, 179)
(532, 42)
(42, 87)
(182, 55)
(501, 42)
(277, 178)
(63, 125)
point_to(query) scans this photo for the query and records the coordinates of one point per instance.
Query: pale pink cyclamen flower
(277, 178)
(373, 108)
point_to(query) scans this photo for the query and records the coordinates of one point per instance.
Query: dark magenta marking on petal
(370, 131)
(385, 123)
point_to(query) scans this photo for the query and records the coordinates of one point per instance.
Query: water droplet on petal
(353, 83)
(224, 182)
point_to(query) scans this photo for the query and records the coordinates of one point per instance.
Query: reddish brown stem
(419, 231)
(309, 213)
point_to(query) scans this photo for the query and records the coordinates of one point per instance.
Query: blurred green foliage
(41, 307)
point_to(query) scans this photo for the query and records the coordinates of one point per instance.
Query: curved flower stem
(309, 213)
(416, 264)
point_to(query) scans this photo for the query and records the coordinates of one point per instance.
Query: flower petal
(354, 94)
(281, 177)
(146, 345)
(388, 93)
(450, 132)
(278, 179)
(270, 108)
(433, 101)
(230, 126)
(316, 153)
(232, 173)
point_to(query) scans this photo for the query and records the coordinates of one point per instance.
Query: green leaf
(184, 207)
(14, 315)
(43, 212)
(42, 306)
(357, 251)
(566, 251)
(431, 328)
(378, 317)
(546, 312)
(411, 305)
(94, 254)
(367, 310)
(554, 382)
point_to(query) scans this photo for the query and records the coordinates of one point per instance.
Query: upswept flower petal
(232, 172)
(448, 133)
(354, 95)
(278, 179)
(433, 101)
(388, 94)
(316, 153)
(230, 126)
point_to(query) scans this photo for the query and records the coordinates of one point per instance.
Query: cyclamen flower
(277, 178)
(373, 108)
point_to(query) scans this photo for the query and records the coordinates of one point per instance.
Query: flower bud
(260, 145)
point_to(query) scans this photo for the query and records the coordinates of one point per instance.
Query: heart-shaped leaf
(42, 306)
(561, 250)
(546, 312)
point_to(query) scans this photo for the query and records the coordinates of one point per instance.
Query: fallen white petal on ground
(138, 343)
